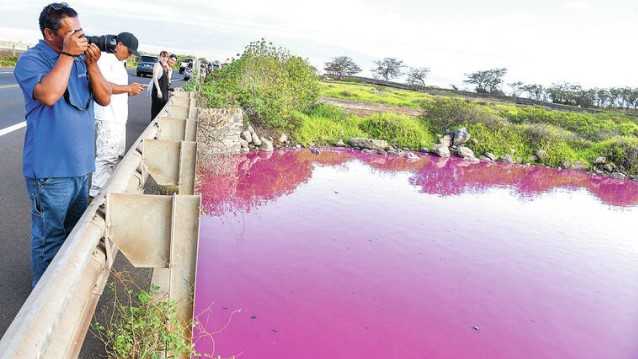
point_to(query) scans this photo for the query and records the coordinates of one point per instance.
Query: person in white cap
(110, 121)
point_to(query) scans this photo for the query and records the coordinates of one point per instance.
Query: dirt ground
(364, 108)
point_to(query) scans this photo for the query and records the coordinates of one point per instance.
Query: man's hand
(135, 89)
(92, 54)
(159, 94)
(75, 43)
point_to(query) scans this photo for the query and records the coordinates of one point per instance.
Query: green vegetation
(268, 83)
(8, 60)
(326, 125)
(374, 94)
(141, 325)
(281, 91)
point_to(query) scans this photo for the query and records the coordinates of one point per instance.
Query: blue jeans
(57, 203)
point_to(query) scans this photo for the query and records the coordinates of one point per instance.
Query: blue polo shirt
(60, 139)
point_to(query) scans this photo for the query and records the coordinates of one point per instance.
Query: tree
(417, 75)
(535, 92)
(488, 81)
(341, 67)
(388, 68)
(517, 88)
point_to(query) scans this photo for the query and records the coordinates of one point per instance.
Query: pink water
(346, 255)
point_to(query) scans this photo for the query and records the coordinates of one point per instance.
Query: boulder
(425, 150)
(485, 158)
(368, 143)
(256, 140)
(441, 150)
(315, 150)
(283, 138)
(340, 143)
(507, 159)
(446, 141)
(243, 143)
(266, 145)
(599, 161)
(609, 167)
(542, 155)
(619, 175)
(460, 137)
(411, 156)
(464, 152)
(491, 156)
(247, 136)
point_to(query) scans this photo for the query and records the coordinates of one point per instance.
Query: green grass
(373, 94)
(326, 125)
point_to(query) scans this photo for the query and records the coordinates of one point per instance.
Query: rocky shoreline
(450, 144)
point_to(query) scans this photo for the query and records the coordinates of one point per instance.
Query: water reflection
(242, 182)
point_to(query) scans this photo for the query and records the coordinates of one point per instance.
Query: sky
(593, 43)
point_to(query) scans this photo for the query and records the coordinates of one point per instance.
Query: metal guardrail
(54, 319)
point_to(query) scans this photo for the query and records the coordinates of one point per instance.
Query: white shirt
(114, 72)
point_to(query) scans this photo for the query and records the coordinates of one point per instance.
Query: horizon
(591, 35)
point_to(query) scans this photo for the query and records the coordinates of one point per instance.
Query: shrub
(267, 82)
(448, 113)
(399, 130)
(318, 130)
(622, 151)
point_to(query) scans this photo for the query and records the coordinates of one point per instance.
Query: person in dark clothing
(160, 82)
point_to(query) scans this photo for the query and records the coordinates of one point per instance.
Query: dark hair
(164, 53)
(52, 15)
(173, 56)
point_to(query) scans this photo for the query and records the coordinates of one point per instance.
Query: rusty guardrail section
(153, 231)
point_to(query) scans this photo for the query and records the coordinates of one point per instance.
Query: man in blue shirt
(59, 78)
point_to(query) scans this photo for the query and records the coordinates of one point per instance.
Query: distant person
(159, 85)
(60, 79)
(110, 121)
(172, 60)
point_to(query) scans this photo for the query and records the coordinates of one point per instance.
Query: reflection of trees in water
(242, 182)
(451, 177)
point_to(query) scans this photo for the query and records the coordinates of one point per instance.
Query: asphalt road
(15, 219)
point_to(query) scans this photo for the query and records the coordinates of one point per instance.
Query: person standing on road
(110, 121)
(159, 85)
(60, 79)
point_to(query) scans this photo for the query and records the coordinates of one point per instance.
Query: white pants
(110, 144)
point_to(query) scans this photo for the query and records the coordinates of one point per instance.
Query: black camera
(105, 43)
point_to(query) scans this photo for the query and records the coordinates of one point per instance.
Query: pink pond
(348, 255)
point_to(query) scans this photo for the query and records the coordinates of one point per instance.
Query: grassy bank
(280, 92)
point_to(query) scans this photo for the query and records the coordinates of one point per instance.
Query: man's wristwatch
(67, 54)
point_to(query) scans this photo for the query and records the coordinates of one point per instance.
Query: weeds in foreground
(142, 324)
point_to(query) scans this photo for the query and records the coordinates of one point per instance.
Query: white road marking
(12, 128)
(8, 86)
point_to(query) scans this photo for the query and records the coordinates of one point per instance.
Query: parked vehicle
(145, 65)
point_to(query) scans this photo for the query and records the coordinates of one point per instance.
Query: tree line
(491, 82)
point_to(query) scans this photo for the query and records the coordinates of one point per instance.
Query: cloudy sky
(591, 42)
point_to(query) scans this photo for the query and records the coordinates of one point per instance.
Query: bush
(319, 130)
(448, 113)
(622, 151)
(267, 82)
(399, 130)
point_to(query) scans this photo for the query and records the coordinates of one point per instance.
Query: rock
(256, 140)
(266, 145)
(446, 141)
(484, 158)
(283, 138)
(251, 130)
(368, 143)
(634, 177)
(369, 151)
(298, 146)
(315, 150)
(340, 143)
(507, 159)
(411, 156)
(243, 143)
(532, 159)
(542, 155)
(382, 152)
(600, 161)
(442, 150)
(491, 156)
(609, 167)
(393, 151)
(465, 153)
(460, 136)
(246, 136)
(618, 175)
(424, 150)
